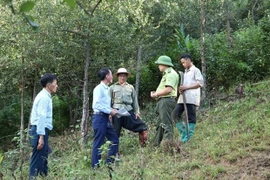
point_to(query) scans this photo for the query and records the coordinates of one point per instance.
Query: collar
(192, 67)
(117, 83)
(46, 92)
(104, 85)
(168, 70)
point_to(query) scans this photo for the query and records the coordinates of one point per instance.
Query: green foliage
(71, 3)
(30, 20)
(1, 158)
(116, 30)
(230, 138)
(27, 6)
(183, 41)
(60, 115)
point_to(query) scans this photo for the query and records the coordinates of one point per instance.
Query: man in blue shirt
(100, 120)
(41, 123)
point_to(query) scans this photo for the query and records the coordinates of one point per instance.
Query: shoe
(143, 138)
(191, 132)
(182, 129)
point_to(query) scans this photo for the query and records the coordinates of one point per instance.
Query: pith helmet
(122, 71)
(164, 60)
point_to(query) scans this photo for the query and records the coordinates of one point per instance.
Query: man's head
(164, 62)
(105, 74)
(49, 81)
(122, 75)
(186, 60)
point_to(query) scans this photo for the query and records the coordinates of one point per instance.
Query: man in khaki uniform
(165, 94)
(193, 81)
(124, 95)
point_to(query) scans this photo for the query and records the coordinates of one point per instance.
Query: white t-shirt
(192, 76)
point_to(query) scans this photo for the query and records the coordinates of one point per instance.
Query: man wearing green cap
(165, 94)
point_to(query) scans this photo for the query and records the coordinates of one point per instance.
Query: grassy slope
(231, 141)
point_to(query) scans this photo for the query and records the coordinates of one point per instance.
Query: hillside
(231, 141)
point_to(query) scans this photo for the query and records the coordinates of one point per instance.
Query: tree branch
(83, 8)
(95, 7)
(68, 30)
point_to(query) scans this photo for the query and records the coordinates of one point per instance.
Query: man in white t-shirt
(193, 81)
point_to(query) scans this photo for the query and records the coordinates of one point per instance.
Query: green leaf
(27, 6)
(71, 3)
(30, 20)
(1, 158)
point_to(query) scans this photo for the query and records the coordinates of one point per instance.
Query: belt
(36, 126)
(167, 97)
(101, 113)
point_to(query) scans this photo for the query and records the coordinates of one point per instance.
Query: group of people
(107, 100)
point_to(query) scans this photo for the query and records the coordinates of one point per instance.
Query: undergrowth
(229, 137)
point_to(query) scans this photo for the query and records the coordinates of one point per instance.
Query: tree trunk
(203, 50)
(22, 121)
(228, 26)
(34, 93)
(138, 71)
(252, 12)
(85, 114)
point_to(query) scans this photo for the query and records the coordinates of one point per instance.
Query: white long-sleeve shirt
(41, 114)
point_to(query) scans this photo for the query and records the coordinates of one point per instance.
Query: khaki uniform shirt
(170, 78)
(192, 76)
(124, 96)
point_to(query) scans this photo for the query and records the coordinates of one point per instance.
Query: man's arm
(163, 92)
(42, 109)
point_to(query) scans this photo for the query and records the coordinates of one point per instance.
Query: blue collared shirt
(101, 99)
(41, 114)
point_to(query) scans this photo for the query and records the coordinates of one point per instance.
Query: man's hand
(182, 89)
(153, 94)
(138, 116)
(110, 118)
(113, 112)
(40, 142)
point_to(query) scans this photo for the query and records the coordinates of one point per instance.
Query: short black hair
(47, 78)
(102, 73)
(185, 56)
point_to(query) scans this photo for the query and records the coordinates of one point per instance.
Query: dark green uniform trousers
(165, 123)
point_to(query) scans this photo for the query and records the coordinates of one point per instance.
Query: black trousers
(128, 122)
(179, 109)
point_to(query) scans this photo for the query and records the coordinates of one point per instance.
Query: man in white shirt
(100, 121)
(193, 81)
(41, 123)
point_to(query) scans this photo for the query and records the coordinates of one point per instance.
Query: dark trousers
(164, 109)
(39, 158)
(103, 128)
(179, 109)
(128, 122)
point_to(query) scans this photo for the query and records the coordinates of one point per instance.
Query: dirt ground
(256, 167)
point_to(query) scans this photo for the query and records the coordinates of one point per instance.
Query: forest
(228, 40)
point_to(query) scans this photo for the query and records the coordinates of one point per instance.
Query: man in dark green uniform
(124, 95)
(165, 94)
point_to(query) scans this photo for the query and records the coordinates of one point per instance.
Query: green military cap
(164, 60)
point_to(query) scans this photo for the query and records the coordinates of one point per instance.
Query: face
(162, 68)
(122, 78)
(109, 77)
(186, 63)
(52, 86)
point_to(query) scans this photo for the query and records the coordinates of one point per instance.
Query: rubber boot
(143, 137)
(182, 129)
(191, 132)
